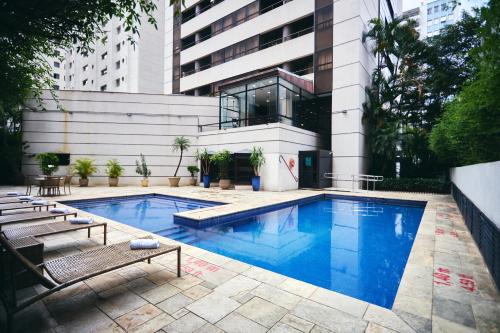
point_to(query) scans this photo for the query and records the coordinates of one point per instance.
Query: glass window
(429, 11)
(262, 105)
(57, 64)
(104, 87)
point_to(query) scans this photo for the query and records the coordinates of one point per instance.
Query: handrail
(354, 178)
(288, 167)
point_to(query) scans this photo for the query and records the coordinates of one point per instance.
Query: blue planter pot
(256, 183)
(206, 181)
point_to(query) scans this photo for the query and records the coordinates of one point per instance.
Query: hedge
(428, 185)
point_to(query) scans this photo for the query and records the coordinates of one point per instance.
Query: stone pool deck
(446, 286)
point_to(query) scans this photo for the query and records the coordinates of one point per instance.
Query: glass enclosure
(268, 100)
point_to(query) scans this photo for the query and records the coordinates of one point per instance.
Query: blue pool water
(358, 248)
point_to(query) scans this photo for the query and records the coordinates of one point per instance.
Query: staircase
(179, 234)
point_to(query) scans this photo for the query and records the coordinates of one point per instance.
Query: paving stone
(213, 307)
(174, 303)
(140, 285)
(386, 318)
(153, 325)
(265, 276)
(160, 293)
(118, 301)
(236, 266)
(208, 285)
(106, 281)
(487, 315)
(197, 292)
(185, 282)
(297, 287)
(276, 296)
(297, 323)
(419, 324)
(236, 323)
(340, 302)
(283, 328)
(327, 317)
(453, 311)
(186, 324)
(180, 313)
(131, 273)
(76, 289)
(418, 306)
(35, 315)
(209, 328)
(376, 328)
(138, 316)
(319, 329)
(161, 277)
(262, 312)
(239, 285)
(243, 298)
(441, 325)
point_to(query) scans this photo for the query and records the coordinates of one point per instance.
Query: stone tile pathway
(446, 286)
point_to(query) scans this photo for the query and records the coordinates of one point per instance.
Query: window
(92, 66)
(118, 29)
(71, 65)
(57, 64)
(123, 60)
(118, 47)
(84, 68)
(57, 53)
(117, 64)
(70, 77)
(56, 76)
(429, 11)
(56, 87)
(117, 82)
(104, 55)
(444, 7)
(123, 78)
(104, 71)
(104, 87)
(84, 82)
(436, 9)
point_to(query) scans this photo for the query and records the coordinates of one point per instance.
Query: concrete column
(197, 37)
(286, 31)
(197, 92)
(197, 65)
(197, 9)
(286, 66)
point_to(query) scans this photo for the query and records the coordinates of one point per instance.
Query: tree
(180, 144)
(30, 32)
(469, 131)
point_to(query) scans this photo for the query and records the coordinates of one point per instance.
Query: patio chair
(29, 217)
(52, 228)
(31, 181)
(66, 271)
(50, 186)
(67, 183)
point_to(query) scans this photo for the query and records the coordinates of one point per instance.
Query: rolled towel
(80, 220)
(26, 198)
(39, 202)
(12, 194)
(137, 244)
(59, 210)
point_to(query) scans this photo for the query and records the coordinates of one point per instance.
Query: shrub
(114, 169)
(84, 167)
(222, 160)
(142, 168)
(192, 169)
(257, 160)
(48, 162)
(429, 185)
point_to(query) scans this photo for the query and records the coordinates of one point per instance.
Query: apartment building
(116, 64)
(417, 14)
(300, 64)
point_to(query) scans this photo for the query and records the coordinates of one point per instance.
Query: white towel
(80, 220)
(26, 198)
(39, 202)
(12, 194)
(59, 210)
(137, 244)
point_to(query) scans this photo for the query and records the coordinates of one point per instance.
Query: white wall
(481, 184)
(275, 139)
(104, 125)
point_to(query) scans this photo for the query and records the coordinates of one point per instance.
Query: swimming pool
(357, 247)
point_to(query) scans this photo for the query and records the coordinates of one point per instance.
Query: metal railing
(242, 122)
(288, 167)
(354, 178)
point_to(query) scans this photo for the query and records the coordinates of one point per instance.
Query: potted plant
(180, 144)
(113, 170)
(222, 159)
(204, 158)
(192, 170)
(142, 169)
(257, 160)
(84, 167)
(48, 162)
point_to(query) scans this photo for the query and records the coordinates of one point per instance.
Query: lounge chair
(66, 271)
(15, 206)
(28, 217)
(53, 228)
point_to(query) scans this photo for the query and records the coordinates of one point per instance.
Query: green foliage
(192, 169)
(48, 162)
(114, 169)
(427, 185)
(142, 168)
(203, 156)
(181, 144)
(84, 167)
(257, 159)
(469, 131)
(222, 160)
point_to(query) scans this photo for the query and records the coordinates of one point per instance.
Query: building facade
(116, 64)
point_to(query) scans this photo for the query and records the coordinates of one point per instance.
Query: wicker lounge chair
(72, 269)
(28, 217)
(8, 200)
(53, 228)
(16, 206)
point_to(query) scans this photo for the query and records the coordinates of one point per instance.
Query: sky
(409, 4)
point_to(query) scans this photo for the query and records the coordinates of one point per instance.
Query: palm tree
(180, 143)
